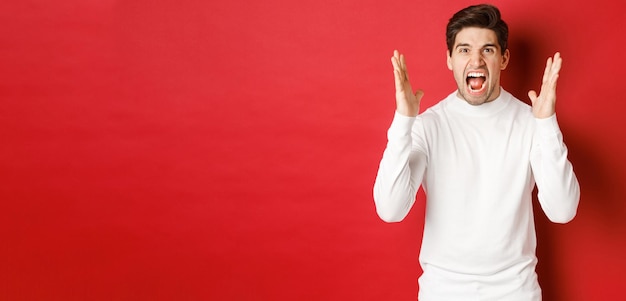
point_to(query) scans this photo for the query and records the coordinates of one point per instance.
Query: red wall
(194, 150)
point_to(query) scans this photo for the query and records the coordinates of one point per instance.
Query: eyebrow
(468, 45)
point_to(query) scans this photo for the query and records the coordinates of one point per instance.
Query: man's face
(476, 61)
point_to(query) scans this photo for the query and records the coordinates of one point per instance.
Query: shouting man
(478, 155)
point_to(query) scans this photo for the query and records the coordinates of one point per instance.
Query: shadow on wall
(600, 208)
(525, 67)
(522, 74)
(600, 194)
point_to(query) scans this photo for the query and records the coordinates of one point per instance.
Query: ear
(505, 59)
(448, 59)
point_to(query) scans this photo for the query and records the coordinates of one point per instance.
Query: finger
(419, 94)
(556, 66)
(546, 71)
(556, 77)
(552, 83)
(398, 72)
(403, 66)
(394, 62)
(398, 81)
(396, 57)
(533, 96)
(557, 61)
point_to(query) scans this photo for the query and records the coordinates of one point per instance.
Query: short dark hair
(481, 16)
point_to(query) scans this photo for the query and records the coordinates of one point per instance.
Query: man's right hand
(407, 103)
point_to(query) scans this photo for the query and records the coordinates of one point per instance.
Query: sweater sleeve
(401, 170)
(557, 186)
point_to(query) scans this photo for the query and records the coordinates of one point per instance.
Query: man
(477, 154)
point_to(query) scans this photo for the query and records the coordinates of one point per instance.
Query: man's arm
(558, 188)
(402, 167)
(400, 172)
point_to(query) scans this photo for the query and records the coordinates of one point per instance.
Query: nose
(476, 59)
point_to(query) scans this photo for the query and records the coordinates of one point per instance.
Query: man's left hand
(544, 104)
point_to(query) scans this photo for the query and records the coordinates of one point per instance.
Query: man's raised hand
(407, 103)
(544, 104)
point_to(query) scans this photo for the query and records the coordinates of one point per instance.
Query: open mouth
(476, 81)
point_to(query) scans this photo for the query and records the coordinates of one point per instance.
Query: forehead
(476, 37)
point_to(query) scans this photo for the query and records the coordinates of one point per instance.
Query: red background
(226, 150)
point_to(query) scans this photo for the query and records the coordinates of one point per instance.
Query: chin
(475, 100)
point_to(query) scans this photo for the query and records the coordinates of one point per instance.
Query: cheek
(459, 71)
(496, 70)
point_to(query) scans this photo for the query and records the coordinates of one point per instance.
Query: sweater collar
(457, 104)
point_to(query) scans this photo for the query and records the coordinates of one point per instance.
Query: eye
(463, 50)
(489, 50)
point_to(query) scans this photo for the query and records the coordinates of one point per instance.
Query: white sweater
(478, 166)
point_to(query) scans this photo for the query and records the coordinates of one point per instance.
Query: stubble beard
(462, 91)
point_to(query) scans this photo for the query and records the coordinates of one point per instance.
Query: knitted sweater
(478, 166)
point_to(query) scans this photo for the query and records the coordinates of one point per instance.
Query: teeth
(475, 74)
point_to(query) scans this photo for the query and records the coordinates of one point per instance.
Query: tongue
(476, 82)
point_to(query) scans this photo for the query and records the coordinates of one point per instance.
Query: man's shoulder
(522, 109)
(436, 110)
(516, 101)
